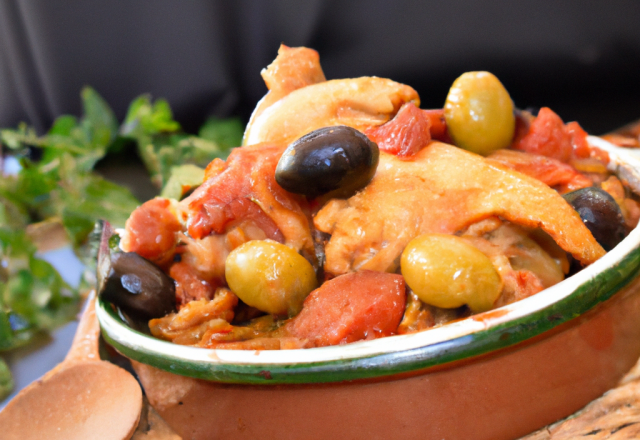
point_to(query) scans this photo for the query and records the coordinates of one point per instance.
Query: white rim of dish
(393, 344)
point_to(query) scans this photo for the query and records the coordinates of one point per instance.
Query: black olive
(138, 287)
(600, 214)
(335, 161)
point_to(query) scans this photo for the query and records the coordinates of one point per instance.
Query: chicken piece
(193, 320)
(557, 174)
(443, 189)
(416, 316)
(524, 266)
(244, 188)
(357, 102)
(518, 285)
(293, 68)
(207, 255)
(189, 285)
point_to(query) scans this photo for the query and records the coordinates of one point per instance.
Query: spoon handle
(85, 342)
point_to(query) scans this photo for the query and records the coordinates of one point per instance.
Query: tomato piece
(601, 155)
(547, 136)
(151, 231)
(189, 285)
(351, 307)
(241, 210)
(550, 171)
(438, 127)
(405, 135)
(215, 167)
(580, 146)
(523, 123)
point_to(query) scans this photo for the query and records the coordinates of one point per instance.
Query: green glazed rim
(477, 335)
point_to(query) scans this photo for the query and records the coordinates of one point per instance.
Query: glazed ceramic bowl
(495, 375)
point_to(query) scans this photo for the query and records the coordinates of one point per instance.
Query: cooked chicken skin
(358, 103)
(442, 190)
(293, 68)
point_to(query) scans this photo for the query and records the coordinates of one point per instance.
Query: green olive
(270, 276)
(479, 113)
(446, 271)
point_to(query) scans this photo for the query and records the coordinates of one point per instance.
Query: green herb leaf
(226, 133)
(182, 179)
(18, 138)
(63, 125)
(85, 198)
(149, 117)
(99, 123)
(33, 296)
(6, 380)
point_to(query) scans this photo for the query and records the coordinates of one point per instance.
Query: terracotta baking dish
(495, 375)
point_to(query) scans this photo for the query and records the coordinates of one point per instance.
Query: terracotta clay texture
(501, 395)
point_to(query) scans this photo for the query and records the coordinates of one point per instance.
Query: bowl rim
(476, 335)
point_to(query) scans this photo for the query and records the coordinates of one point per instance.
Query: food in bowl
(351, 214)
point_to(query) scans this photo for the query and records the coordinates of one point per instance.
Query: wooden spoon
(82, 398)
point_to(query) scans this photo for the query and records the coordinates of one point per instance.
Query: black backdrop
(582, 58)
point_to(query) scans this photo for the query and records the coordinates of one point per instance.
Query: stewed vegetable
(446, 271)
(600, 213)
(479, 113)
(270, 276)
(351, 307)
(138, 287)
(337, 160)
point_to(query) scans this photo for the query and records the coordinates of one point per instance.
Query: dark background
(581, 58)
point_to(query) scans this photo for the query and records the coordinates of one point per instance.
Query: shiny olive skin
(479, 113)
(600, 214)
(446, 271)
(270, 276)
(334, 161)
(138, 287)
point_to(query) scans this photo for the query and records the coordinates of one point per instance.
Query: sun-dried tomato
(405, 135)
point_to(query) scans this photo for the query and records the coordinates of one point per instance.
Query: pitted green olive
(270, 277)
(331, 160)
(479, 113)
(446, 271)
